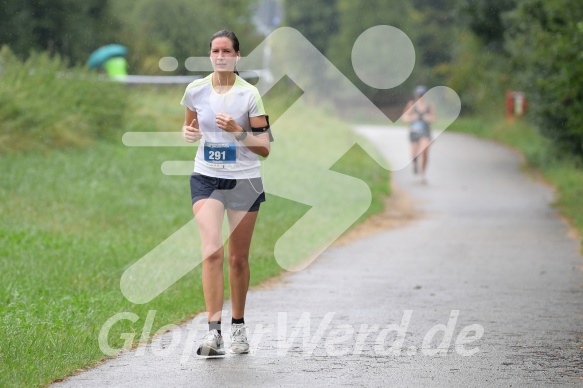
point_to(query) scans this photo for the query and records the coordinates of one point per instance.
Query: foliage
(153, 29)
(485, 19)
(334, 28)
(545, 39)
(317, 21)
(478, 69)
(45, 104)
(70, 28)
(377, 12)
(434, 42)
(479, 76)
(530, 45)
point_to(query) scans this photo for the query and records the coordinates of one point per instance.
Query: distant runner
(419, 115)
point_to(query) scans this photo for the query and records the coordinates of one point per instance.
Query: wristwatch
(242, 136)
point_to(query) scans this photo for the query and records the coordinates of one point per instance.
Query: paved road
(483, 290)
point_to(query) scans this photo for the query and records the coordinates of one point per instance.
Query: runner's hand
(227, 123)
(191, 133)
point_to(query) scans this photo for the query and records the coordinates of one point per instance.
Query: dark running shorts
(235, 194)
(415, 136)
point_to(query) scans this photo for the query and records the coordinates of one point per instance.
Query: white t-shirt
(219, 154)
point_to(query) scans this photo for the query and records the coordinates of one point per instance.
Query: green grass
(73, 219)
(563, 171)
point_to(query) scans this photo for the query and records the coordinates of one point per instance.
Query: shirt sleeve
(256, 104)
(187, 100)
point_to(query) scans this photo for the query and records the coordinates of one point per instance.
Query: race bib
(220, 154)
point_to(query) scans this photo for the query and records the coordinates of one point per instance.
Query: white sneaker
(239, 344)
(212, 345)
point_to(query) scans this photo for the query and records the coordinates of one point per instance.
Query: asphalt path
(483, 288)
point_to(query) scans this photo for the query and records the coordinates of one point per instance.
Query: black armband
(260, 130)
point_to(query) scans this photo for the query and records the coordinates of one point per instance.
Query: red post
(515, 104)
(509, 104)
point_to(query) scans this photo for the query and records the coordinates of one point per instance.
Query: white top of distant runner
(240, 102)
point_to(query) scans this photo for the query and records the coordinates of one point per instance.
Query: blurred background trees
(480, 48)
(179, 28)
(545, 39)
(67, 27)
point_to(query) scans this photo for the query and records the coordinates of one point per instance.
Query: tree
(70, 28)
(479, 68)
(317, 21)
(545, 39)
(354, 19)
(484, 19)
(152, 29)
(333, 26)
(434, 20)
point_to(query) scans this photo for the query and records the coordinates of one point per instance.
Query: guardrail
(173, 79)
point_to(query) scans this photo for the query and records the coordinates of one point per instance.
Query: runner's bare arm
(408, 113)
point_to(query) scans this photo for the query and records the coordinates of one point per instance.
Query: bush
(545, 39)
(45, 104)
(479, 76)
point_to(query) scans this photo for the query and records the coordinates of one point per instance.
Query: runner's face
(223, 55)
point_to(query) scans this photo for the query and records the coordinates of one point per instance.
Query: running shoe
(212, 345)
(239, 344)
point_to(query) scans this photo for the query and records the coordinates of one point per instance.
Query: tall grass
(72, 219)
(45, 104)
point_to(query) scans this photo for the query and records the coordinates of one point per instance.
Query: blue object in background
(98, 58)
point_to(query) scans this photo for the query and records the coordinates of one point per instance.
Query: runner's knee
(214, 257)
(238, 262)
